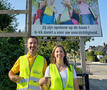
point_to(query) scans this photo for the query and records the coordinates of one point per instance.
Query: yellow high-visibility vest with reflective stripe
(56, 81)
(31, 74)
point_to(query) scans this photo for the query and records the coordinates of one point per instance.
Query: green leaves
(9, 53)
(7, 19)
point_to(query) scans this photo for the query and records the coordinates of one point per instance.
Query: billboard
(65, 18)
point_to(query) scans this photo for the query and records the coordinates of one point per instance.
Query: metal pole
(28, 21)
(87, 82)
(82, 55)
(26, 26)
(30, 17)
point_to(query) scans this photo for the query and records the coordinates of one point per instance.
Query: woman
(62, 75)
(67, 13)
(86, 15)
(49, 12)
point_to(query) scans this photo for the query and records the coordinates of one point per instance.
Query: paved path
(98, 81)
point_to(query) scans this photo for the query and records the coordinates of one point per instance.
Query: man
(31, 68)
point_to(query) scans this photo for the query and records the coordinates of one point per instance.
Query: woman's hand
(45, 80)
(44, 83)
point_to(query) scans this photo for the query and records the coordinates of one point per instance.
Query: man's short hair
(33, 37)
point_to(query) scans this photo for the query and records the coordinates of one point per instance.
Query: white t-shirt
(59, 6)
(84, 8)
(63, 75)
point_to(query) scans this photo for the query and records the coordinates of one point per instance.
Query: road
(98, 75)
(98, 81)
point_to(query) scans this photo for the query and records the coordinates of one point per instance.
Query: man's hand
(16, 78)
(13, 77)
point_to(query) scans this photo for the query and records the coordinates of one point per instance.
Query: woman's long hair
(53, 59)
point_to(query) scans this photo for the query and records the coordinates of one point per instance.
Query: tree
(10, 48)
(91, 56)
(99, 53)
(6, 20)
(46, 47)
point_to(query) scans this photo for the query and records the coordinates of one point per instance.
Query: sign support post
(82, 56)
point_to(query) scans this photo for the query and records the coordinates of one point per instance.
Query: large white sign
(63, 18)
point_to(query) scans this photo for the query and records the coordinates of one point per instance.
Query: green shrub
(103, 60)
(99, 53)
(10, 50)
(80, 80)
(89, 53)
(78, 70)
(91, 58)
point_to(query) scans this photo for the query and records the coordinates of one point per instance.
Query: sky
(21, 4)
(103, 18)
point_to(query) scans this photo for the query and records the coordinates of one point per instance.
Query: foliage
(7, 19)
(71, 45)
(45, 49)
(10, 50)
(91, 53)
(78, 70)
(104, 59)
(90, 56)
(99, 53)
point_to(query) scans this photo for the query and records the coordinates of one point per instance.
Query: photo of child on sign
(74, 12)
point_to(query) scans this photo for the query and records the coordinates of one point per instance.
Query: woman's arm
(45, 80)
(76, 86)
(44, 83)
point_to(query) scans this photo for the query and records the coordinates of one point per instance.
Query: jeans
(48, 19)
(67, 22)
(87, 19)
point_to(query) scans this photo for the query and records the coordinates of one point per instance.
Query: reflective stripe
(31, 87)
(34, 79)
(31, 78)
(34, 87)
(23, 80)
(23, 89)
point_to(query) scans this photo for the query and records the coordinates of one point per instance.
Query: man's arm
(12, 73)
(15, 78)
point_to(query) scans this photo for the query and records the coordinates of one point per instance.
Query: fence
(83, 80)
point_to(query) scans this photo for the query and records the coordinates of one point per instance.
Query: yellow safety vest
(31, 74)
(48, 11)
(56, 81)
